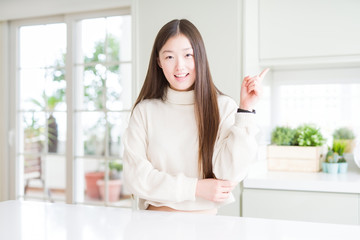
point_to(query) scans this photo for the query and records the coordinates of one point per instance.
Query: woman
(187, 145)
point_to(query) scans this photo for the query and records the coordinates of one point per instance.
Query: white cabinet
(341, 208)
(306, 30)
(232, 209)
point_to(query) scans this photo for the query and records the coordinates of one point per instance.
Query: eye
(169, 57)
(188, 55)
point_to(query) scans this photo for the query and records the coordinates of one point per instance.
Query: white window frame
(70, 20)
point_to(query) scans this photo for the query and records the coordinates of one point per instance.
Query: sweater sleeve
(236, 146)
(141, 178)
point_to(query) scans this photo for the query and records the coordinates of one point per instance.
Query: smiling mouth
(181, 75)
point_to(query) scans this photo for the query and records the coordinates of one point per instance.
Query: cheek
(192, 65)
(167, 68)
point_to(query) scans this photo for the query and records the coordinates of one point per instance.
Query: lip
(181, 77)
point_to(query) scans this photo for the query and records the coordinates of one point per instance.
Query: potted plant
(282, 136)
(343, 165)
(33, 143)
(91, 178)
(347, 135)
(300, 149)
(50, 100)
(335, 161)
(33, 135)
(331, 162)
(113, 184)
(308, 135)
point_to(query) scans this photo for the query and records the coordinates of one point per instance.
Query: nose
(180, 64)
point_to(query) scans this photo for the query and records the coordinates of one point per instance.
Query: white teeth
(181, 75)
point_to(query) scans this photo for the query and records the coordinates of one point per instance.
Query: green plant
(33, 133)
(49, 101)
(283, 136)
(115, 169)
(343, 133)
(339, 147)
(94, 84)
(341, 159)
(308, 135)
(336, 153)
(116, 166)
(331, 157)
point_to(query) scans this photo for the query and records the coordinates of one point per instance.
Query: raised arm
(236, 146)
(251, 90)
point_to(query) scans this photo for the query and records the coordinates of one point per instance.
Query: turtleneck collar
(180, 97)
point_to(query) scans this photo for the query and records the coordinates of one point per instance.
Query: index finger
(264, 72)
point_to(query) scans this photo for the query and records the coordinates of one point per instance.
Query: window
(42, 109)
(72, 106)
(326, 97)
(329, 106)
(102, 104)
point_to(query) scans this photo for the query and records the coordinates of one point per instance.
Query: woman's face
(176, 58)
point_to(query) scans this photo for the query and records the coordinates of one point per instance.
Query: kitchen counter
(260, 178)
(22, 220)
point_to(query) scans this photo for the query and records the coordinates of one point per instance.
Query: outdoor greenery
(94, 92)
(33, 132)
(115, 168)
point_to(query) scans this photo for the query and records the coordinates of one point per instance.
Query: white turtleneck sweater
(161, 150)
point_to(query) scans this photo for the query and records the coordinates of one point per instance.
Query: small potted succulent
(335, 161)
(331, 162)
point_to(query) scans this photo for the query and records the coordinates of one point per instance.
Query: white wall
(3, 112)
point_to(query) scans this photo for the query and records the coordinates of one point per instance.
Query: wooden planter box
(295, 158)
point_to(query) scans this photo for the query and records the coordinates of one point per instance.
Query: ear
(158, 62)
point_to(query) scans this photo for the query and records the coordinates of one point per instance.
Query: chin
(182, 88)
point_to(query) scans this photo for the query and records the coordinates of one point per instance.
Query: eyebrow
(169, 51)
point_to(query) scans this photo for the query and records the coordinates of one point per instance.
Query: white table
(22, 220)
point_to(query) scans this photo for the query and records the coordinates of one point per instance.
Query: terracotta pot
(114, 189)
(92, 189)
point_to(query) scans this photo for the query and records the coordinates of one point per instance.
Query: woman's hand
(214, 190)
(251, 90)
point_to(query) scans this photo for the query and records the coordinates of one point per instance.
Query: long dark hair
(206, 106)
